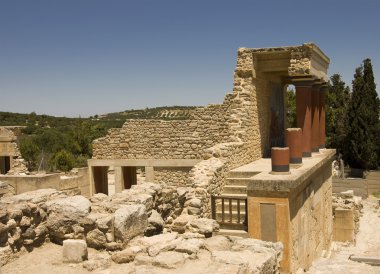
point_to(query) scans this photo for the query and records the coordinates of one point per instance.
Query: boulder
(156, 249)
(78, 206)
(169, 259)
(156, 224)
(74, 251)
(179, 224)
(205, 226)
(130, 221)
(124, 256)
(37, 196)
(96, 239)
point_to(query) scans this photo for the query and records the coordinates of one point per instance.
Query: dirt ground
(48, 259)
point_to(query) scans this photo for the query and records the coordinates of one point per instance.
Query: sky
(85, 57)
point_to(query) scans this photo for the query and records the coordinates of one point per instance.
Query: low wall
(361, 187)
(79, 182)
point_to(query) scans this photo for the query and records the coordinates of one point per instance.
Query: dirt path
(367, 244)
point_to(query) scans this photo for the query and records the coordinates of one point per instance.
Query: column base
(306, 154)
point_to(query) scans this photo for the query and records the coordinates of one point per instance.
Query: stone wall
(311, 220)
(172, 176)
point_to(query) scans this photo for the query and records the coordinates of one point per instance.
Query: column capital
(301, 82)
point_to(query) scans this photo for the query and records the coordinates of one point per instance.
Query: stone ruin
(215, 164)
(220, 154)
(10, 156)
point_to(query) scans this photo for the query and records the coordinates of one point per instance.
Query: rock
(195, 202)
(58, 225)
(193, 210)
(205, 226)
(124, 256)
(112, 246)
(130, 221)
(156, 224)
(347, 194)
(190, 246)
(11, 224)
(74, 251)
(143, 259)
(169, 259)
(217, 243)
(75, 205)
(29, 233)
(36, 197)
(157, 239)
(96, 239)
(154, 250)
(41, 232)
(25, 221)
(182, 191)
(179, 224)
(105, 223)
(191, 235)
(99, 261)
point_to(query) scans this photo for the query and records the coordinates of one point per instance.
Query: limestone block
(130, 221)
(74, 251)
(170, 260)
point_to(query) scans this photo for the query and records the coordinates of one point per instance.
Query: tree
(361, 145)
(29, 151)
(290, 109)
(337, 102)
(63, 160)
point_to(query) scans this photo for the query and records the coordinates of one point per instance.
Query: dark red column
(294, 142)
(315, 118)
(280, 159)
(303, 114)
(322, 117)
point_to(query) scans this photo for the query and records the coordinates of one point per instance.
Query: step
(233, 232)
(234, 189)
(237, 181)
(242, 174)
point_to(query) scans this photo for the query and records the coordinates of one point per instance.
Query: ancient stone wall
(311, 212)
(172, 176)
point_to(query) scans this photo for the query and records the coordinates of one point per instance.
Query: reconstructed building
(221, 152)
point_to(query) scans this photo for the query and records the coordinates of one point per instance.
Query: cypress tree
(337, 102)
(361, 146)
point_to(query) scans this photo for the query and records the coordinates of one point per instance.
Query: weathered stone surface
(37, 196)
(154, 250)
(96, 239)
(156, 224)
(98, 262)
(205, 226)
(170, 260)
(179, 224)
(124, 256)
(157, 239)
(217, 243)
(190, 246)
(112, 246)
(130, 221)
(76, 205)
(143, 259)
(74, 251)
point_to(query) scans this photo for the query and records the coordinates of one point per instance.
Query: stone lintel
(265, 184)
(144, 162)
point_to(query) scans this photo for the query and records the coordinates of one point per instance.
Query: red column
(315, 119)
(322, 117)
(303, 114)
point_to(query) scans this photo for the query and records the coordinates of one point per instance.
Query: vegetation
(337, 101)
(64, 142)
(363, 129)
(291, 109)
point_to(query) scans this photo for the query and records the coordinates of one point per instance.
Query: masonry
(205, 151)
(10, 157)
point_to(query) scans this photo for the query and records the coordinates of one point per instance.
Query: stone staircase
(234, 196)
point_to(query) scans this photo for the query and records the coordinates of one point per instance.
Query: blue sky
(86, 57)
